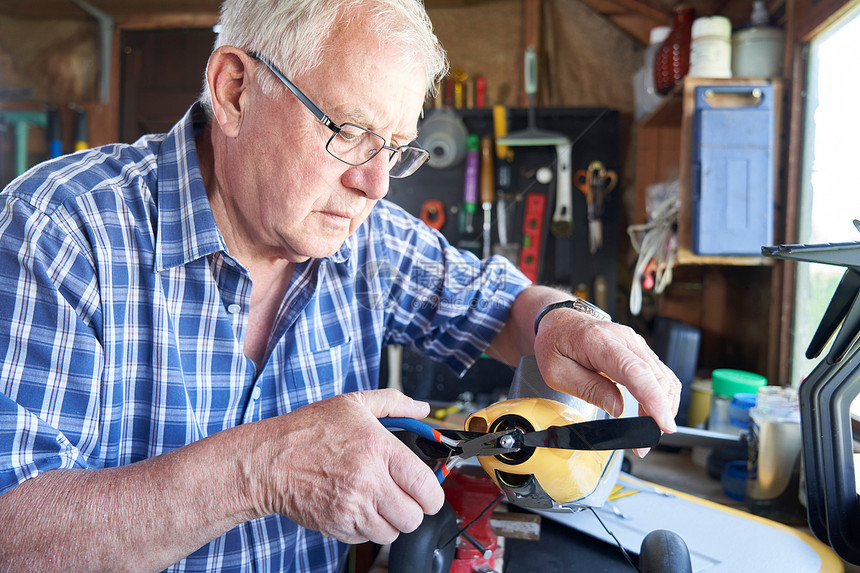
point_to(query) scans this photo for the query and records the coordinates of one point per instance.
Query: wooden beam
(659, 16)
(812, 16)
(166, 21)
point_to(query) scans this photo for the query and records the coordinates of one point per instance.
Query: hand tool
(532, 136)
(456, 445)
(459, 77)
(601, 292)
(470, 185)
(595, 182)
(504, 157)
(470, 92)
(81, 130)
(22, 120)
(480, 91)
(488, 193)
(459, 95)
(532, 235)
(562, 218)
(54, 132)
(464, 402)
(433, 213)
(449, 92)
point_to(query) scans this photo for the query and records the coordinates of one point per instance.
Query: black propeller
(606, 434)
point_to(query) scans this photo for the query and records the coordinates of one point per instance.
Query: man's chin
(324, 247)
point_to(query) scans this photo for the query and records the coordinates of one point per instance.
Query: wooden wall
(585, 60)
(56, 61)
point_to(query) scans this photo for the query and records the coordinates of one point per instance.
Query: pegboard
(565, 262)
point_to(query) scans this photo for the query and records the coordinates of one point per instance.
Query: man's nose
(371, 178)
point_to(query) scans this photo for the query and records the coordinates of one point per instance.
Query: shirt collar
(186, 226)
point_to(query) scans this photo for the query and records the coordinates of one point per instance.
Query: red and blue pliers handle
(428, 433)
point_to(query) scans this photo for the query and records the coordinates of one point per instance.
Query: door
(161, 77)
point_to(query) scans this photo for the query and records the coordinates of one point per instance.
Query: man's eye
(349, 136)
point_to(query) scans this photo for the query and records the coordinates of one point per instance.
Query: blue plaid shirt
(123, 318)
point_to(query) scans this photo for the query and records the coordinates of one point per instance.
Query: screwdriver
(488, 192)
(470, 193)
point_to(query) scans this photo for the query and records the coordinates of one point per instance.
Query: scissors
(453, 450)
(595, 182)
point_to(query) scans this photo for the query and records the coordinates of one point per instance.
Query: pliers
(454, 450)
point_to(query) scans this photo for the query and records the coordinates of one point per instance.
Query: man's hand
(330, 466)
(583, 356)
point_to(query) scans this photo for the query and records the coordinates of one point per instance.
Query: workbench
(677, 470)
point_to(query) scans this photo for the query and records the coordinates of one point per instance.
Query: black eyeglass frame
(421, 158)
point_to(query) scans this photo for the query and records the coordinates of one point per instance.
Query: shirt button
(234, 309)
(256, 393)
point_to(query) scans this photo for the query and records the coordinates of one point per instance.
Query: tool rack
(562, 261)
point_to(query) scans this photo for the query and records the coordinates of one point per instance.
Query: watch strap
(576, 304)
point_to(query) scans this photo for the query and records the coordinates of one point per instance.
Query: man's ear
(228, 76)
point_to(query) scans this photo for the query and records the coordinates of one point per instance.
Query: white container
(711, 48)
(773, 477)
(757, 52)
(644, 92)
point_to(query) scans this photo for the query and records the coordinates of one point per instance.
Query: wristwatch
(579, 304)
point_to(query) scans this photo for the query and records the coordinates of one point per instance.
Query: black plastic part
(843, 298)
(825, 399)
(811, 438)
(606, 434)
(420, 551)
(81, 128)
(840, 490)
(664, 551)
(850, 324)
(839, 254)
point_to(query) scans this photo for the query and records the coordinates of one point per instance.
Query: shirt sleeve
(49, 355)
(441, 301)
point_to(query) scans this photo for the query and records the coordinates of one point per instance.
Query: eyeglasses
(353, 144)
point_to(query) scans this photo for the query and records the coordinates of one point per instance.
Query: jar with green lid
(725, 383)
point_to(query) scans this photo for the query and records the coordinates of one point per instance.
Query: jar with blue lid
(726, 384)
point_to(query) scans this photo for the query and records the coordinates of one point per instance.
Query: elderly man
(193, 323)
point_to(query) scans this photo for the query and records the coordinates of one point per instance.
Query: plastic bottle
(757, 51)
(672, 61)
(759, 16)
(645, 92)
(773, 473)
(725, 383)
(711, 48)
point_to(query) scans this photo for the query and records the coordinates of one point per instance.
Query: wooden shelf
(686, 257)
(665, 152)
(668, 112)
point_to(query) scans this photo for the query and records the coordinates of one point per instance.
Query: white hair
(293, 34)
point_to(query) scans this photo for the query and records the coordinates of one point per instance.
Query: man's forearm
(141, 517)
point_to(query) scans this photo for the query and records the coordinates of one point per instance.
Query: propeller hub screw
(507, 441)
